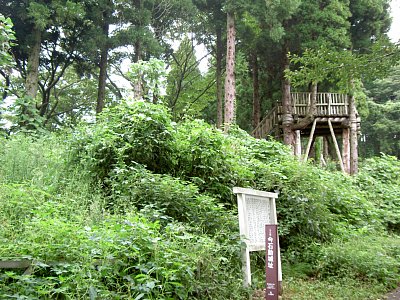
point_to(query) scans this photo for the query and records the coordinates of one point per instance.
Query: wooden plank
(310, 140)
(239, 190)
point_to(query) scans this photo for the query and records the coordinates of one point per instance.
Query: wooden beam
(336, 146)
(310, 140)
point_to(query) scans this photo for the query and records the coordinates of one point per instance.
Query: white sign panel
(256, 209)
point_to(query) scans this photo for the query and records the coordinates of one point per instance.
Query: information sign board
(256, 209)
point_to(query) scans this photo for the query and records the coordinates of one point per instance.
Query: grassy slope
(50, 211)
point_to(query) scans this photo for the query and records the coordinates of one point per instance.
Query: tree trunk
(45, 102)
(353, 136)
(312, 110)
(313, 103)
(229, 116)
(256, 93)
(287, 115)
(346, 149)
(101, 93)
(32, 76)
(138, 88)
(218, 75)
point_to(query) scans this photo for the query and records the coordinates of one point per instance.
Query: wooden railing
(265, 127)
(328, 105)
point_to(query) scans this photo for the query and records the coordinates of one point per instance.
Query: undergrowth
(139, 207)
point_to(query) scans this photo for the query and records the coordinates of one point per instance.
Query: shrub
(36, 160)
(367, 258)
(172, 198)
(119, 257)
(125, 134)
(379, 181)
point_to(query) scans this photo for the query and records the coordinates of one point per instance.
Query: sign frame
(243, 196)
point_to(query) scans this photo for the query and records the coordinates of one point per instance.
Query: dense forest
(124, 126)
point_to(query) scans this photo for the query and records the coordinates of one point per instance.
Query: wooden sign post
(271, 262)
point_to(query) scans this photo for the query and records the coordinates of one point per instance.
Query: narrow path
(395, 295)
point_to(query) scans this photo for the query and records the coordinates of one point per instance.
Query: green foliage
(327, 23)
(6, 41)
(380, 127)
(205, 156)
(372, 258)
(187, 89)
(114, 258)
(26, 117)
(148, 79)
(379, 179)
(28, 159)
(170, 197)
(331, 289)
(126, 135)
(137, 206)
(343, 67)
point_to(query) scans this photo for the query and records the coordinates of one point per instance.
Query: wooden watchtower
(331, 118)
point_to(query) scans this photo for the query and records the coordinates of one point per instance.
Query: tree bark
(32, 76)
(256, 93)
(287, 112)
(229, 116)
(138, 88)
(218, 75)
(101, 93)
(346, 149)
(353, 136)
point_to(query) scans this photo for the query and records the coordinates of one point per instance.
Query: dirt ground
(395, 295)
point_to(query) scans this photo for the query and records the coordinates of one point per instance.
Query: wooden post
(310, 140)
(346, 149)
(297, 148)
(336, 145)
(353, 134)
(325, 148)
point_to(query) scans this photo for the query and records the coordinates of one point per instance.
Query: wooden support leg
(326, 148)
(310, 140)
(297, 149)
(246, 267)
(336, 145)
(346, 150)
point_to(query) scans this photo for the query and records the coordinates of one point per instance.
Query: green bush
(172, 198)
(125, 134)
(37, 160)
(142, 207)
(379, 180)
(366, 257)
(116, 258)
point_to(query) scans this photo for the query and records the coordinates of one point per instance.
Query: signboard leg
(246, 267)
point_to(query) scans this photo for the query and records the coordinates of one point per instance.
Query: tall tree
(186, 85)
(213, 21)
(229, 115)
(104, 24)
(47, 36)
(380, 127)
